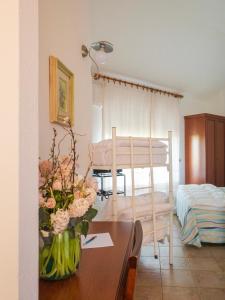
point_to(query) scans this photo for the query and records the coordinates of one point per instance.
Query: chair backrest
(132, 262)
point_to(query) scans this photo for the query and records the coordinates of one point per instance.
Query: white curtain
(127, 109)
(133, 111)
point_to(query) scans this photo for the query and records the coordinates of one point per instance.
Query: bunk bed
(155, 209)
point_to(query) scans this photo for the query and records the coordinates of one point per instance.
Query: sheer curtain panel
(136, 112)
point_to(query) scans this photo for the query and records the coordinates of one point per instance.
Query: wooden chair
(132, 262)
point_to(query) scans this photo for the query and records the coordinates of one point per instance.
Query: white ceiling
(178, 44)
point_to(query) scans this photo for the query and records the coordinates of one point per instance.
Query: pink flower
(57, 185)
(60, 220)
(77, 195)
(41, 181)
(92, 183)
(45, 167)
(41, 201)
(78, 208)
(91, 195)
(50, 203)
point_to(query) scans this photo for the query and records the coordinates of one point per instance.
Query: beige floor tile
(180, 293)
(218, 251)
(179, 263)
(176, 242)
(212, 294)
(209, 279)
(198, 252)
(180, 278)
(149, 279)
(221, 264)
(208, 264)
(178, 251)
(197, 273)
(148, 264)
(148, 293)
(165, 244)
(148, 250)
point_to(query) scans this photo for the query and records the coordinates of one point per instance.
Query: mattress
(143, 213)
(102, 153)
(201, 211)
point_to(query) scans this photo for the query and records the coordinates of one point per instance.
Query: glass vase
(60, 257)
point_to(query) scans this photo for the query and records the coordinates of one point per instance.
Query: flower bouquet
(65, 210)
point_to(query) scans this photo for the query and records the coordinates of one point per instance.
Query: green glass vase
(60, 257)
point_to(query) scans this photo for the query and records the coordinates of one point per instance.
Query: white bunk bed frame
(151, 165)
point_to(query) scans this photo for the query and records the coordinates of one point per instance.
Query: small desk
(101, 274)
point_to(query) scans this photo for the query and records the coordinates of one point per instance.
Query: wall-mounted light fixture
(102, 48)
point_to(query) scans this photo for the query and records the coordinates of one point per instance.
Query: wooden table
(101, 273)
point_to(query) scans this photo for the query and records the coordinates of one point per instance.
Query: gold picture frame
(61, 92)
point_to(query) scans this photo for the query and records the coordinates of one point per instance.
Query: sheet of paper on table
(101, 240)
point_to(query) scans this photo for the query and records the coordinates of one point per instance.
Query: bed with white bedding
(201, 211)
(102, 154)
(143, 213)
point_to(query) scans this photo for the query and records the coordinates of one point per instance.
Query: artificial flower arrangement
(65, 209)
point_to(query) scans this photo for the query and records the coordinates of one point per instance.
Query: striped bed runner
(202, 225)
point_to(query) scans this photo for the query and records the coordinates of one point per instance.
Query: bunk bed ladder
(114, 177)
(133, 201)
(151, 174)
(170, 197)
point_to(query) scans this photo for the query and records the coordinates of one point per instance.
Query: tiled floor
(197, 273)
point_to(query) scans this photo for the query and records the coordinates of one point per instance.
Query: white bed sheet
(143, 202)
(120, 142)
(206, 196)
(102, 155)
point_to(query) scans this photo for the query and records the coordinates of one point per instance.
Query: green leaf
(57, 196)
(44, 216)
(78, 227)
(90, 214)
(84, 228)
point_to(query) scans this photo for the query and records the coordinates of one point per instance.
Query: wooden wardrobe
(205, 149)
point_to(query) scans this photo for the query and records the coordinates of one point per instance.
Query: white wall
(28, 167)
(217, 102)
(64, 27)
(18, 154)
(9, 158)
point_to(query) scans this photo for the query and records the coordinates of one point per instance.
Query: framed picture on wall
(61, 89)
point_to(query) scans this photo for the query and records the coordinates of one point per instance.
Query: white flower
(45, 233)
(78, 208)
(92, 183)
(91, 195)
(60, 220)
(57, 185)
(78, 179)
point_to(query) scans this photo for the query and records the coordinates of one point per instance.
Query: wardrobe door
(210, 152)
(195, 150)
(219, 152)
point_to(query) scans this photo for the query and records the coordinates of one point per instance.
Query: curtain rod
(98, 76)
